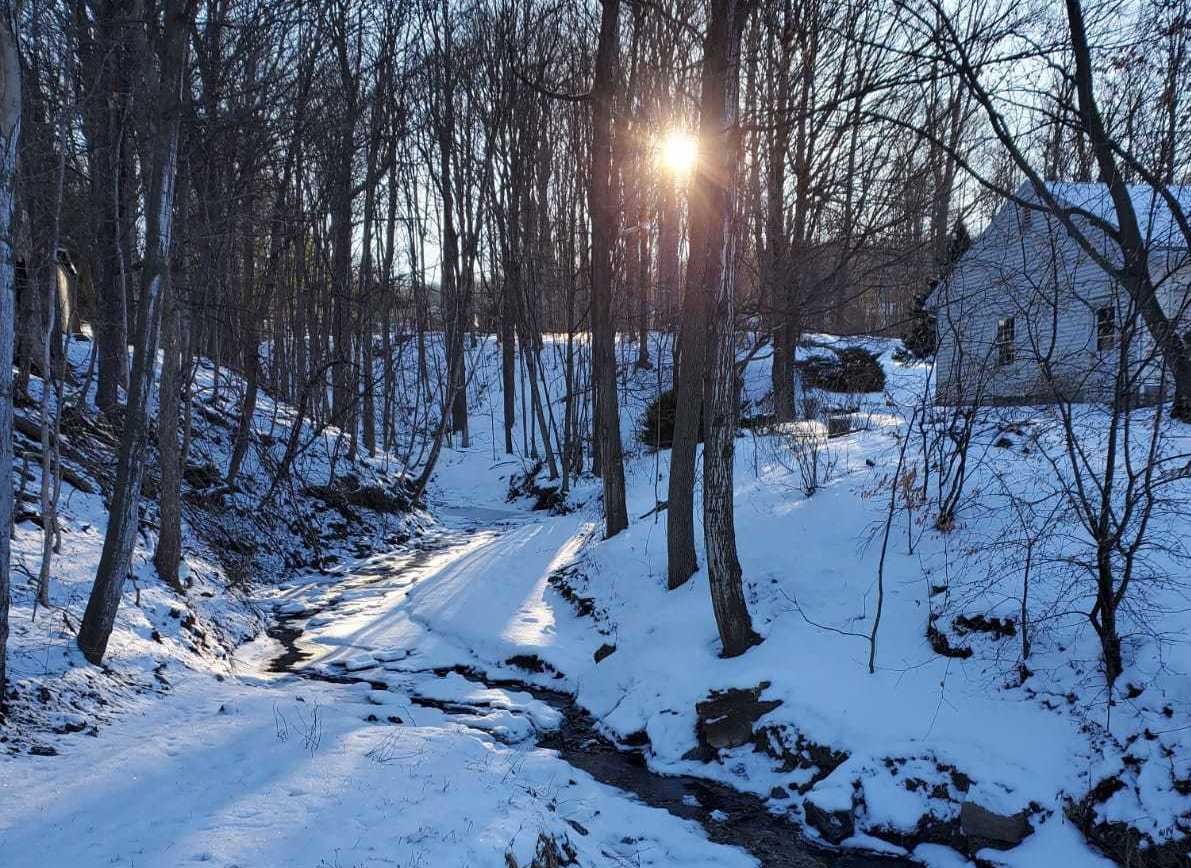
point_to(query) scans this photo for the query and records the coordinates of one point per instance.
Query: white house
(1027, 314)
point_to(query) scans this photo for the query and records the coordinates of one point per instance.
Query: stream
(728, 816)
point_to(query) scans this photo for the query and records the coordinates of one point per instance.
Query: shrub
(546, 497)
(657, 426)
(850, 370)
(921, 337)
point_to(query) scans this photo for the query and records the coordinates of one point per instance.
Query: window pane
(1106, 330)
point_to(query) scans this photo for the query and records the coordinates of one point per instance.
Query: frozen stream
(728, 817)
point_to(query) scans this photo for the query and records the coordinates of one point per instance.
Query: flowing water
(728, 816)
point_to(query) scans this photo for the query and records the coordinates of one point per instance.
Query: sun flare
(677, 151)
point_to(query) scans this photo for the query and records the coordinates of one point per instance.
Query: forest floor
(383, 762)
(395, 715)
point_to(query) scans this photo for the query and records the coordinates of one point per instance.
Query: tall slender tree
(169, 34)
(603, 234)
(10, 130)
(714, 278)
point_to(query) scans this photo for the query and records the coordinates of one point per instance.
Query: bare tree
(103, 30)
(714, 275)
(169, 36)
(10, 129)
(603, 231)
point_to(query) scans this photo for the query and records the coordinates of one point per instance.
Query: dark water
(741, 819)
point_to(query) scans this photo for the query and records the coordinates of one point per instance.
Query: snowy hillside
(952, 722)
(238, 549)
(411, 701)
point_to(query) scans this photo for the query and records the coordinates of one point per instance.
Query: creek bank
(728, 816)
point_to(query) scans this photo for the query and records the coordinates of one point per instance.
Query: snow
(810, 565)
(230, 557)
(243, 765)
(270, 781)
(1154, 216)
(358, 662)
(230, 774)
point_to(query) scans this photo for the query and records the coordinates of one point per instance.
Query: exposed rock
(835, 826)
(638, 738)
(985, 828)
(930, 829)
(1001, 628)
(603, 651)
(347, 491)
(545, 497)
(564, 581)
(1118, 840)
(797, 752)
(942, 645)
(726, 717)
(530, 663)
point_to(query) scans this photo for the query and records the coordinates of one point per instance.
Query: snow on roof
(1153, 213)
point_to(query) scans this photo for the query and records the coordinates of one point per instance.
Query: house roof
(1154, 216)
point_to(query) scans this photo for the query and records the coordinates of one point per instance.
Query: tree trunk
(603, 232)
(252, 313)
(10, 127)
(51, 380)
(669, 218)
(105, 113)
(114, 562)
(1134, 247)
(454, 305)
(169, 538)
(643, 362)
(508, 361)
(1104, 616)
(778, 286)
(717, 278)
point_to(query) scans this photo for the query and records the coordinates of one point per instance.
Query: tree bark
(10, 128)
(115, 559)
(643, 363)
(168, 552)
(603, 233)
(105, 117)
(717, 278)
(508, 360)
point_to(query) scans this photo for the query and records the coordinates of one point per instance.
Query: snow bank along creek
(517, 712)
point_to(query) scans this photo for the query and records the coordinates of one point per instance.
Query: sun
(678, 151)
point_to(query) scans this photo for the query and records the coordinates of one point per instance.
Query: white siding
(1026, 266)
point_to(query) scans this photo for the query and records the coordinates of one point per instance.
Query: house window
(1106, 328)
(1004, 345)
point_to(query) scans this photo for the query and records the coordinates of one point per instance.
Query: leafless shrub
(280, 724)
(387, 751)
(810, 454)
(312, 729)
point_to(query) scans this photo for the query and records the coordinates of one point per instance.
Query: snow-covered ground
(260, 768)
(235, 548)
(241, 769)
(187, 747)
(916, 740)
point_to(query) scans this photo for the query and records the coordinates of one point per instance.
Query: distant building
(1026, 293)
